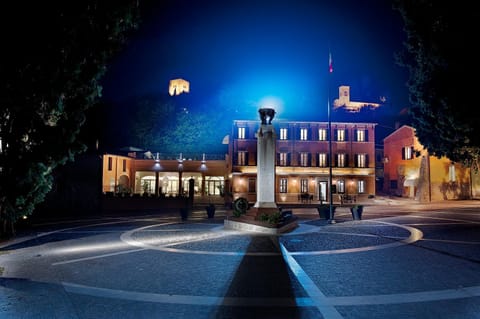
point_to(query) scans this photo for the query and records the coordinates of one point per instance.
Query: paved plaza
(402, 260)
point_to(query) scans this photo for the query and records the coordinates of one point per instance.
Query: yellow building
(410, 171)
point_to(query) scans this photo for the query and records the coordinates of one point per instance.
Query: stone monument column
(266, 157)
(266, 167)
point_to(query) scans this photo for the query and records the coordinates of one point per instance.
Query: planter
(357, 211)
(324, 211)
(210, 211)
(184, 213)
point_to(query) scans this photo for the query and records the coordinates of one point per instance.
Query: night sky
(265, 53)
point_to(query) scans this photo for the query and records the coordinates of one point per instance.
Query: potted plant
(357, 211)
(324, 211)
(210, 210)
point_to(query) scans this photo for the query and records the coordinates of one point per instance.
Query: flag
(330, 62)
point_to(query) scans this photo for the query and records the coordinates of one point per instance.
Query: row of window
(339, 187)
(304, 159)
(110, 164)
(304, 134)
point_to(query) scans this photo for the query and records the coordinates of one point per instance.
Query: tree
(56, 55)
(442, 60)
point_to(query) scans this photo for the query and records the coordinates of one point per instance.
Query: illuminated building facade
(303, 159)
(156, 175)
(410, 171)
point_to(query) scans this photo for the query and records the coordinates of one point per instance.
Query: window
(283, 185)
(361, 160)
(304, 185)
(109, 163)
(124, 165)
(361, 186)
(251, 185)
(451, 173)
(341, 135)
(242, 158)
(322, 134)
(341, 186)
(303, 134)
(360, 135)
(341, 160)
(241, 133)
(283, 159)
(283, 134)
(322, 160)
(304, 159)
(407, 153)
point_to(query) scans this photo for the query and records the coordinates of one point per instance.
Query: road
(402, 260)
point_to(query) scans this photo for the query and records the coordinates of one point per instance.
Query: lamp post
(330, 179)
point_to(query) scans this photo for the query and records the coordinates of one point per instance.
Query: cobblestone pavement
(402, 260)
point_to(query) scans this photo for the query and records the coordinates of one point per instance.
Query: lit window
(283, 185)
(360, 136)
(304, 159)
(322, 134)
(322, 160)
(341, 135)
(304, 185)
(303, 134)
(407, 153)
(283, 159)
(341, 159)
(361, 186)
(361, 160)
(242, 158)
(451, 173)
(283, 133)
(241, 132)
(341, 186)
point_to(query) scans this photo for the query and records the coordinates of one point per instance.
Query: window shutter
(346, 135)
(366, 135)
(366, 160)
(309, 159)
(403, 153)
(289, 159)
(278, 159)
(355, 135)
(246, 158)
(335, 135)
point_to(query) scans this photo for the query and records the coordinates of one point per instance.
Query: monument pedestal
(265, 204)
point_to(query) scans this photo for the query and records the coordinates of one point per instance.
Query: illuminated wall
(423, 177)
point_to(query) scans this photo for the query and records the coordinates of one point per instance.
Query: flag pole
(330, 178)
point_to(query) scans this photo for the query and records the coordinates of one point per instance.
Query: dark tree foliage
(442, 58)
(54, 55)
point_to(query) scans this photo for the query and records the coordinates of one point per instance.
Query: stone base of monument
(251, 221)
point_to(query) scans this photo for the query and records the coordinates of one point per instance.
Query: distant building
(178, 86)
(410, 171)
(351, 106)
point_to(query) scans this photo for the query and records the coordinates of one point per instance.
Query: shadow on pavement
(263, 286)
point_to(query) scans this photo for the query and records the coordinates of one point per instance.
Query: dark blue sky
(248, 52)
